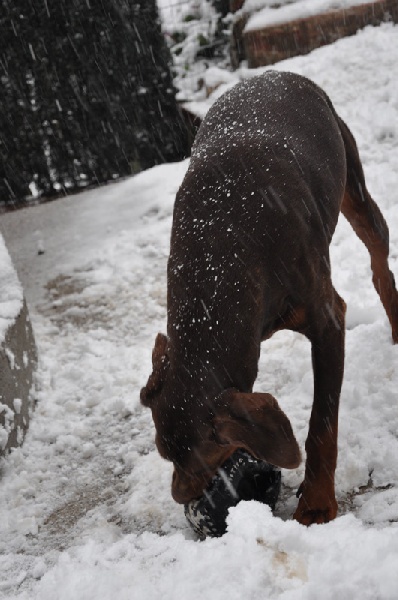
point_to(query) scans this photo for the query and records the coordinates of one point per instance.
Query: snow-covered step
(295, 28)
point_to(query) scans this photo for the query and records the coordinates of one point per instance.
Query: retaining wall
(270, 44)
(18, 357)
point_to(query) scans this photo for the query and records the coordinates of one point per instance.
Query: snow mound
(11, 294)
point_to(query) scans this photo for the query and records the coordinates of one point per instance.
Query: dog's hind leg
(368, 223)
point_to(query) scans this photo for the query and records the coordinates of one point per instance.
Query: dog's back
(262, 193)
(274, 124)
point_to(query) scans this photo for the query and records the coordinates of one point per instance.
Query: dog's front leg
(317, 502)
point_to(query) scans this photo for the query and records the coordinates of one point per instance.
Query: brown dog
(271, 168)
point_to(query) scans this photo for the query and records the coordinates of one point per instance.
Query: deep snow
(85, 505)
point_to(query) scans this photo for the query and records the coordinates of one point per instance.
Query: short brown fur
(271, 168)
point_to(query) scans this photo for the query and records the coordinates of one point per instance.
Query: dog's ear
(256, 423)
(160, 364)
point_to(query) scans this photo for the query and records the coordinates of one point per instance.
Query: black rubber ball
(242, 477)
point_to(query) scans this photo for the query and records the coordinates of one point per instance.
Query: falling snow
(85, 505)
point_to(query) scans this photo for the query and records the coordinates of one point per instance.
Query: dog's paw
(310, 516)
(315, 507)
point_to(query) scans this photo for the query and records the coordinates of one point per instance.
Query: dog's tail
(365, 217)
(358, 205)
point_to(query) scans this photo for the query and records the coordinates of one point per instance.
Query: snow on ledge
(297, 10)
(11, 293)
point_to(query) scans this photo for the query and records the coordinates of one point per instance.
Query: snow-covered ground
(85, 505)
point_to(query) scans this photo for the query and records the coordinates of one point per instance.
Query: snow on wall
(291, 11)
(11, 293)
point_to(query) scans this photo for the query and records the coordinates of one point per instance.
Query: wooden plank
(271, 44)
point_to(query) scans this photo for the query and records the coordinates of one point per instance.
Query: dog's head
(199, 436)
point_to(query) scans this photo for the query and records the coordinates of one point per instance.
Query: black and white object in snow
(242, 477)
